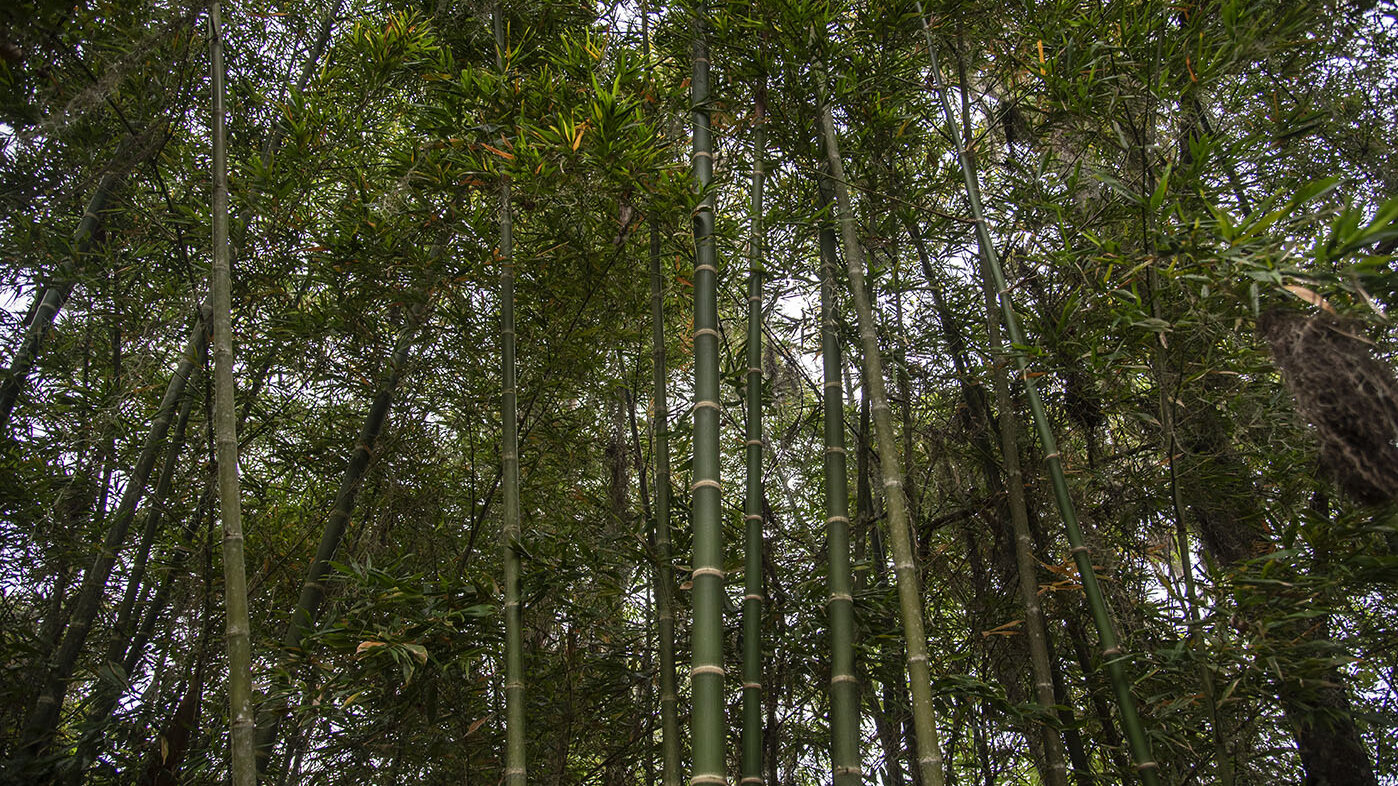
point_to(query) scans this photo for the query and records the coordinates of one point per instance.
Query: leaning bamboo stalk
(307, 611)
(51, 299)
(994, 273)
(910, 603)
(1027, 566)
(43, 718)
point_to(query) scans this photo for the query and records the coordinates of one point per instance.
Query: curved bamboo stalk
(992, 271)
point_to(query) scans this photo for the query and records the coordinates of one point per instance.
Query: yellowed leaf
(1310, 296)
(365, 646)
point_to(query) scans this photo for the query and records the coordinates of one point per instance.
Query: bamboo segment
(706, 671)
(995, 274)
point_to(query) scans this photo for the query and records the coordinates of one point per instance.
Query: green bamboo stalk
(751, 771)
(107, 693)
(930, 762)
(43, 718)
(1055, 767)
(706, 669)
(844, 686)
(243, 764)
(992, 271)
(664, 560)
(515, 772)
(53, 296)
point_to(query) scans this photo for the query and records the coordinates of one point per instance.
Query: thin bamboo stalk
(510, 530)
(664, 560)
(751, 766)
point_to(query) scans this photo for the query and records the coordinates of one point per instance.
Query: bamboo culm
(53, 296)
(844, 686)
(243, 761)
(706, 670)
(43, 718)
(107, 693)
(751, 765)
(664, 559)
(992, 271)
(307, 611)
(510, 530)
(910, 602)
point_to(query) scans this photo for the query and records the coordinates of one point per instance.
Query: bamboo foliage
(398, 650)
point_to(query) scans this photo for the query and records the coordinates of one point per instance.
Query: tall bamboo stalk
(910, 604)
(992, 271)
(515, 773)
(242, 728)
(664, 561)
(751, 771)
(844, 686)
(706, 669)
(664, 558)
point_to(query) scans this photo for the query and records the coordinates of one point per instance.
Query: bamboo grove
(724, 392)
